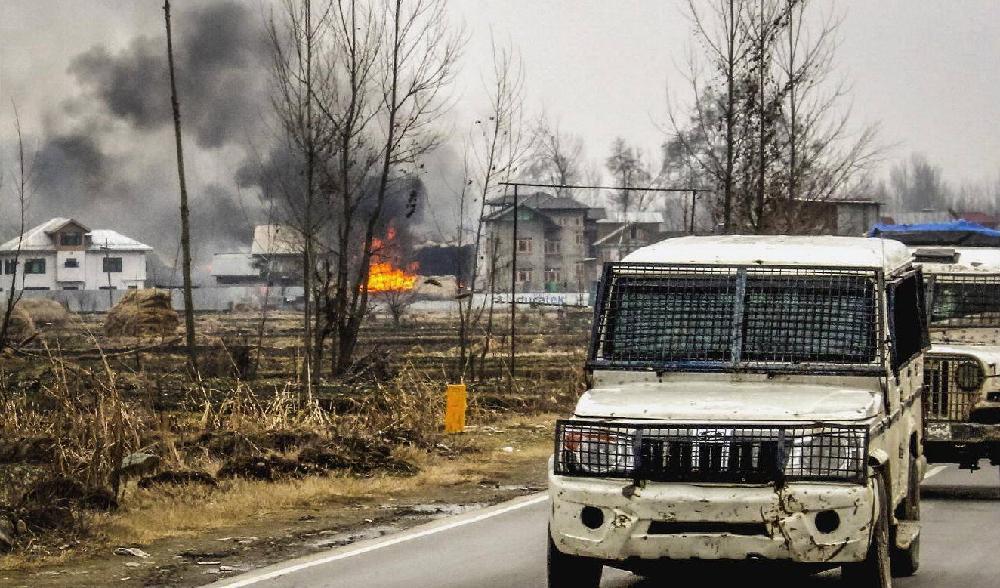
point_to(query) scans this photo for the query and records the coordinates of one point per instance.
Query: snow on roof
(106, 239)
(40, 238)
(276, 240)
(233, 264)
(819, 251)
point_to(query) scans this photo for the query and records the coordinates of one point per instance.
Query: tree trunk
(192, 352)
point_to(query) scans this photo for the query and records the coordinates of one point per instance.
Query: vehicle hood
(988, 354)
(710, 401)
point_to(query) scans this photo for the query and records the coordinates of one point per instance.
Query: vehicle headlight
(969, 376)
(596, 450)
(838, 454)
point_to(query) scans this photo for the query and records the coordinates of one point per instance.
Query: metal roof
(40, 238)
(806, 251)
(541, 201)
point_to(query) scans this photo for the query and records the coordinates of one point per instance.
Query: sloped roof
(540, 201)
(233, 264)
(39, 238)
(633, 217)
(106, 239)
(276, 240)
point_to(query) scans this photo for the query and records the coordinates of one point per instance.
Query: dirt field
(107, 442)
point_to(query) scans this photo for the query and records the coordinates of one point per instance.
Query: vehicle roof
(806, 251)
(971, 260)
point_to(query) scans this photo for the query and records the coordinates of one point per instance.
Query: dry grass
(150, 515)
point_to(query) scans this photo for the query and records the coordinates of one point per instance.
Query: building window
(71, 262)
(71, 287)
(579, 221)
(112, 265)
(523, 276)
(37, 288)
(107, 288)
(579, 238)
(71, 239)
(34, 266)
(524, 245)
(553, 275)
(633, 232)
(9, 267)
(553, 246)
(523, 214)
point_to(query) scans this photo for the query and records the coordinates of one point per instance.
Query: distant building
(63, 254)
(275, 258)
(622, 234)
(555, 236)
(834, 216)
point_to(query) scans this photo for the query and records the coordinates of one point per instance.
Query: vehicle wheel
(905, 562)
(874, 571)
(572, 571)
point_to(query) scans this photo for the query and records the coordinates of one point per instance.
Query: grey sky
(926, 70)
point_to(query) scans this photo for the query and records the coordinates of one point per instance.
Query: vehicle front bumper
(937, 431)
(785, 517)
(961, 443)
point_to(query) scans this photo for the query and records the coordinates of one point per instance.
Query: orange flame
(383, 276)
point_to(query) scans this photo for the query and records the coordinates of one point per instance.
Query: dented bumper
(685, 521)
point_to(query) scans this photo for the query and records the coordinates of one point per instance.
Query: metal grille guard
(742, 454)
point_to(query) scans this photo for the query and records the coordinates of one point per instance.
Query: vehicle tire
(875, 570)
(905, 562)
(572, 571)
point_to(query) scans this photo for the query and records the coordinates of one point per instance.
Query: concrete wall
(205, 299)
(89, 275)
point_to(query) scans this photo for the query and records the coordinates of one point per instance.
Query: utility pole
(513, 298)
(185, 223)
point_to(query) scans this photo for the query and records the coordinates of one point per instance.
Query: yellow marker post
(454, 414)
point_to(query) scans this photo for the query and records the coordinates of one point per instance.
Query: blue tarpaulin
(959, 233)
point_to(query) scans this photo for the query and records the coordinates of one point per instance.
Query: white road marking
(344, 553)
(934, 471)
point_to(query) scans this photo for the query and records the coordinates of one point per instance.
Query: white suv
(961, 384)
(752, 398)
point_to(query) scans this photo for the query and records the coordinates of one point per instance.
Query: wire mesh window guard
(951, 387)
(672, 317)
(965, 301)
(748, 454)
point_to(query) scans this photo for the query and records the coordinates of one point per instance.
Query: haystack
(21, 326)
(142, 312)
(45, 312)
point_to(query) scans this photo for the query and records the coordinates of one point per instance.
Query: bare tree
(375, 76)
(21, 195)
(765, 128)
(495, 150)
(192, 350)
(822, 157)
(556, 156)
(298, 38)
(713, 136)
(626, 164)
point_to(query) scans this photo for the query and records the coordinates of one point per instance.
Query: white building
(62, 254)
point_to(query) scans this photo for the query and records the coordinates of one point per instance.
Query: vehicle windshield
(965, 301)
(683, 319)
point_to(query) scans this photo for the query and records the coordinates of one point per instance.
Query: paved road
(505, 547)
